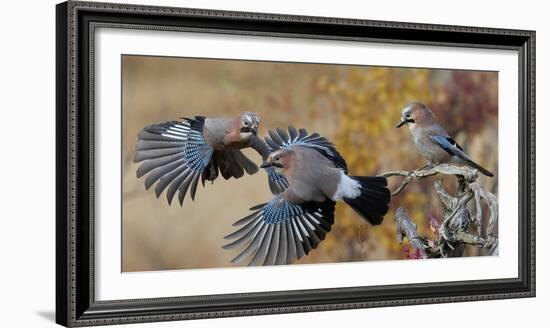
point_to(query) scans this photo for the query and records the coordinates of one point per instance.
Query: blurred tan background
(356, 107)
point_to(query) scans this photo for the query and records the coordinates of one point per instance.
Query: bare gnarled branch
(470, 175)
(454, 231)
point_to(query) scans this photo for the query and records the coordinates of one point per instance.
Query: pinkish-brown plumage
(432, 141)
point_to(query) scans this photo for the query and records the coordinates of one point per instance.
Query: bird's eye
(408, 114)
(276, 158)
(246, 123)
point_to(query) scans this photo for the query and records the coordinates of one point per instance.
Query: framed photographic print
(215, 164)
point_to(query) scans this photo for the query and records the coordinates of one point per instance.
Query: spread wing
(175, 154)
(280, 232)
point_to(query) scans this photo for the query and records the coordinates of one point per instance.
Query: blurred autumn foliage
(356, 107)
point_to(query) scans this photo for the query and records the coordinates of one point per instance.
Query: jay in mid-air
(178, 154)
(432, 141)
(295, 221)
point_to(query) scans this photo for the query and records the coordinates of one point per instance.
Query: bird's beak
(249, 130)
(404, 121)
(265, 164)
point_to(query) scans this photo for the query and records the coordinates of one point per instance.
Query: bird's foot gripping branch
(454, 232)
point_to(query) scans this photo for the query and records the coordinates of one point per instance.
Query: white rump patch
(347, 188)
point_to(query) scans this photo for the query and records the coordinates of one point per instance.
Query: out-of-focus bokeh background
(356, 107)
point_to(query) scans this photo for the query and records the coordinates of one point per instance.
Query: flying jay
(432, 141)
(176, 154)
(295, 221)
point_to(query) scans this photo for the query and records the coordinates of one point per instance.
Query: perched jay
(179, 153)
(296, 220)
(431, 140)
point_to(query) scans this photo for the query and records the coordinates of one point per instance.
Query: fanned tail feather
(372, 203)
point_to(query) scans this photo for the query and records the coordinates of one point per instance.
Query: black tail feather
(479, 168)
(372, 203)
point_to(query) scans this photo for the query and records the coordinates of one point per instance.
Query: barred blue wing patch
(280, 139)
(277, 182)
(276, 213)
(280, 232)
(453, 148)
(449, 145)
(197, 152)
(174, 154)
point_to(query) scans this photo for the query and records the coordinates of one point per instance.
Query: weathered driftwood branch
(453, 233)
(466, 173)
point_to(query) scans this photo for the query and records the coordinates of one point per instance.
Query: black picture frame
(75, 302)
